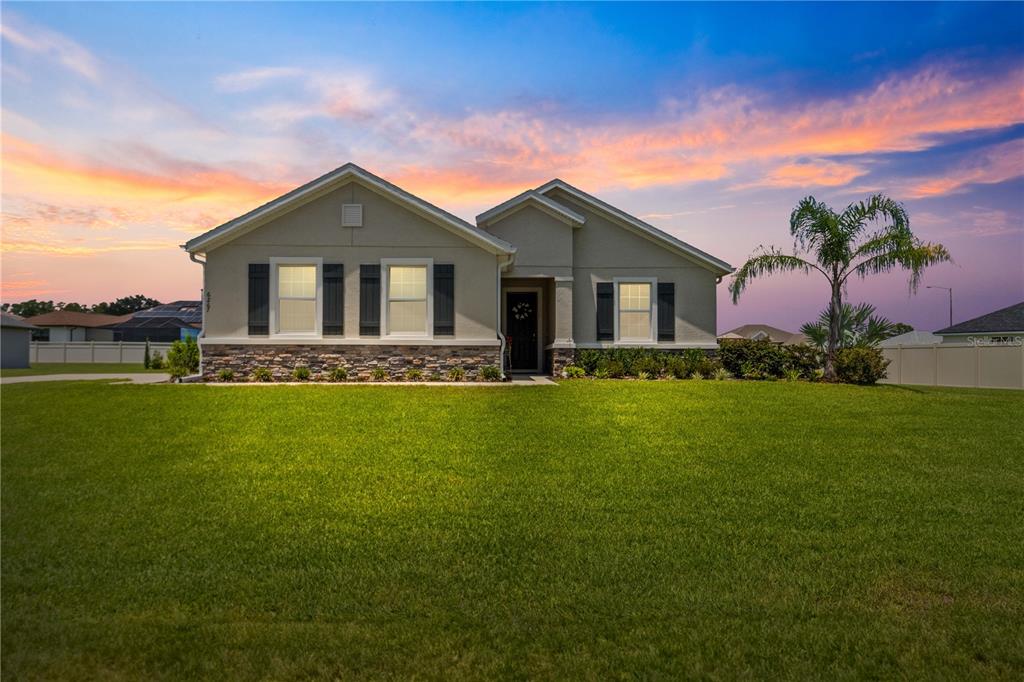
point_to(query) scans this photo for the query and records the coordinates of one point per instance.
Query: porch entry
(522, 329)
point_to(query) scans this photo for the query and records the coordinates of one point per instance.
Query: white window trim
(653, 336)
(275, 299)
(385, 287)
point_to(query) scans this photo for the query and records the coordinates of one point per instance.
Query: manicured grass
(592, 530)
(78, 368)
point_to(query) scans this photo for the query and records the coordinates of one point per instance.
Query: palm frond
(812, 224)
(768, 262)
(915, 257)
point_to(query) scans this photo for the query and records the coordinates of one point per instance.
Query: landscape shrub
(145, 356)
(339, 374)
(860, 365)
(697, 376)
(574, 372)
(261, 374)
(804, 358)
(613, 369)
(456, 374)
(379, 374)
(226, 375)
(601, 373)
(643, 376)
(490, 373)
(721, 374)
(301, 373)
(791, 374)
(156, 361)
(649, 364)
(766, 360)
(183, 358)
(414, 374)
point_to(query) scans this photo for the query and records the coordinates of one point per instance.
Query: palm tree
(839, 245)
(858, 326)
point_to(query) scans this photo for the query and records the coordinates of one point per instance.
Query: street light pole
(950, 290)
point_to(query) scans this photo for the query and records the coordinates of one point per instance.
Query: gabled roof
(1009, 319)
(531, 198)
(69, 318)
(15, 322)
(325, 183)
(764, 331)
(645, 229)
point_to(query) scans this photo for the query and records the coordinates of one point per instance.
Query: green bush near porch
(591, 530)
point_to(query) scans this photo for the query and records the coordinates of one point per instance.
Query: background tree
(29, 308)
(125, 305)
(839, 245)
(859, 327)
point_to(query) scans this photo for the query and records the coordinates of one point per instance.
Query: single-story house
(352, 270)
(163, 323)
(67, 325)
(759, 332)
(1000, 327)
(15, 340)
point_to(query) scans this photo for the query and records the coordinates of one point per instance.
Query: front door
(521, 330)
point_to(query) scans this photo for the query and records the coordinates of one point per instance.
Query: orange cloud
(818, 173)
(997, 164)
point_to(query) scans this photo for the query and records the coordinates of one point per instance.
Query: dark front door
(521, 324)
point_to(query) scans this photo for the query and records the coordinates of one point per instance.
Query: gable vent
(351, 215)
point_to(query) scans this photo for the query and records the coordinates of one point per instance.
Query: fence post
(92, 350)
(65, 349)
(120, 352)
(977, 366)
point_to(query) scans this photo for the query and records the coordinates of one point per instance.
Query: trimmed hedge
(763, 359)
(860, 365)
(632, 362)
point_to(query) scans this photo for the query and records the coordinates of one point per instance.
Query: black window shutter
(605, 311)
(334, 299)
(369, 300)
(259, 299)
(444, 300)
(666, 311)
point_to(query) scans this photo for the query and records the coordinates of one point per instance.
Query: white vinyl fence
(949, 364)
(93, 351)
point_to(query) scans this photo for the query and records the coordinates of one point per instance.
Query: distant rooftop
(764, 331)
(1009, 319)
(68, 318)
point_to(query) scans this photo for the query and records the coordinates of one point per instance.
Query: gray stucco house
(15, 341)
(351, 270)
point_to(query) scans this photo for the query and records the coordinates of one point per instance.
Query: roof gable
(1008, 319)
(531, 198)
(638, 226)
(330, 181)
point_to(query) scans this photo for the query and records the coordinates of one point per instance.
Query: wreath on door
(522, 310)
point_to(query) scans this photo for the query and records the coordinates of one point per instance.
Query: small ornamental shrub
(588, 359)
(145, 356)
(721, 374)
(574, 372)
(338, 374)
(301, 373)
(379, 374)
(792, 374)
(414, 374)
(613, 369)
(601, 373)
(490, 373)
(860, 365)
(804, 358)
(433, 376)
(261, 374)
(226, 375)
(643, 376)
(183, 358)
(649, 364)
(456, 374)
(697, 376)
(818, 374)
(156, 361)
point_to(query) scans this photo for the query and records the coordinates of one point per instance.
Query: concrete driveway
(138, 378)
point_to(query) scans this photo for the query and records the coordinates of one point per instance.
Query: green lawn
(77, 368)
(592, 530)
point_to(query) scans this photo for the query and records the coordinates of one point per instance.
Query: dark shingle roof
(1009, 319)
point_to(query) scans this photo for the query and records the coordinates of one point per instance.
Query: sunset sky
(129, 128)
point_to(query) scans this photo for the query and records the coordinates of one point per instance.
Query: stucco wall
(389, 231)
(544, 244)
(603, 250)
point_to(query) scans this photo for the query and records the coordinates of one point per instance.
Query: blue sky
(129, 127)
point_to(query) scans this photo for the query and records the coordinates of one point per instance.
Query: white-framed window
(635, 309)
(407, 303)
(296, 296)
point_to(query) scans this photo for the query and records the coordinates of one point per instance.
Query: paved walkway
(135, 378)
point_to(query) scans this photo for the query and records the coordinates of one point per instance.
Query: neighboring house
(351, 270)
(15, 337)
(764, 332)
(163, 323)
(1000, 327)
(65, 325)
(914, 338)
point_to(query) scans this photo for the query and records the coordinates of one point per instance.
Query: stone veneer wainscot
(360, 361)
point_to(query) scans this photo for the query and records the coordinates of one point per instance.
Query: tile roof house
(352, 270)
(67, 325)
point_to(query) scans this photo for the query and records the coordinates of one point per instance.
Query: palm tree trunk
(833, 330)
